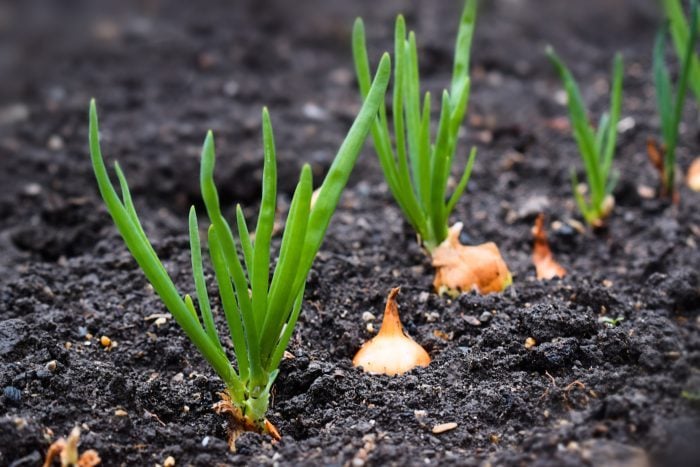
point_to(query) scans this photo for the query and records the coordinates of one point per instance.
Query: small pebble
(530, 343)
(120, 413)
(32, 189)
(169, 461)
(314, 112)
(367, 316)
(626, 124)
(231, 88)
(472, 320)
(485, 317)
(55, 143)
(12, 395)
(105, 341)
(52, 365)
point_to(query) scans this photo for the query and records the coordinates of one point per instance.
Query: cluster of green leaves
(417, 171)
(596, 146)
(261, 314)
(670, 107)
(681, 34)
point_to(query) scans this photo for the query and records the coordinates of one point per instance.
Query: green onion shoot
(680, 33)
(670, 106)
(260, 312)
(416, 168)
(596, 145)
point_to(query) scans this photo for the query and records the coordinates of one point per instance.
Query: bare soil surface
(164, 72)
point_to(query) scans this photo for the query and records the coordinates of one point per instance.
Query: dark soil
(166, 71)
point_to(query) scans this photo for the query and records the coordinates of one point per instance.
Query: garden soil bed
(163, 72)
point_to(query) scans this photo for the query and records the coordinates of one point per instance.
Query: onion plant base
(657, 154)
(67, 452)
(463, 268)
(239, 423)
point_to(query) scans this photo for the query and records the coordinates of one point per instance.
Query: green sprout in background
(417, 171)
(680, 33)
(596, 146)
(261, 314)
(670, 107)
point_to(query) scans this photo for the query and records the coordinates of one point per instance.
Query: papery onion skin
(694, 175)
(546, 266)
(391, 352)
(462, 268)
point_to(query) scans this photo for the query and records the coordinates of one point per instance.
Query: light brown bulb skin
(391, 352)
(462, 268)
(694, 175)
(543, 259)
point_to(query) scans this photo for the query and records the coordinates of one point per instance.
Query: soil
(588, 393)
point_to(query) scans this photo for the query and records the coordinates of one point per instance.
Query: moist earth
(587, 393)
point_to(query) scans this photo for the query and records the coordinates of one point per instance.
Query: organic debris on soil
(546, 266)
(694, 175)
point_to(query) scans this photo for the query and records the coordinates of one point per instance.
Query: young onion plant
(670, 106)
(260, 313)
(596, 145)
(416, 168)
(680, 33)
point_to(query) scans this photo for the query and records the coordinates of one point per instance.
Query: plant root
(239, 423)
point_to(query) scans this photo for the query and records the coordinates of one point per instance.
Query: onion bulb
(694, 175)
(462, 268)
(391, 351)
(542, 256)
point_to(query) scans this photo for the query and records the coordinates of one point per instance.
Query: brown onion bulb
(462, 268)
(391, 351)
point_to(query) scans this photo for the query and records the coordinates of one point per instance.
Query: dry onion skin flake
(694, 175)
(463, 268)
(391, 352)
(546, 266)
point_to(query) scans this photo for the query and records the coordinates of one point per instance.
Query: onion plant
(417, 169)
(260, 313)
(680, 33)
(596, 145)
(670, 106)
